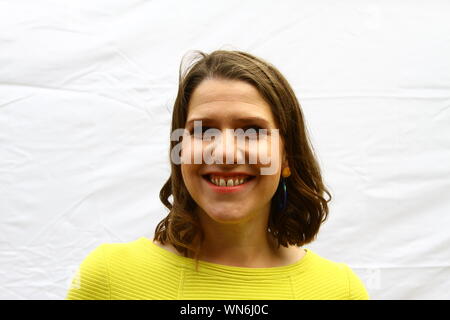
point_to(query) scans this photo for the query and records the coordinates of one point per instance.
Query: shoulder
(132, 260)
(356, 288)
(337, 278)
(129, 270)
(91, 280)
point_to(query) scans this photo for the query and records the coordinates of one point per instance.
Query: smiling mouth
(227, 181)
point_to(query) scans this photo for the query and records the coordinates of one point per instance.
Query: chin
(226, 215)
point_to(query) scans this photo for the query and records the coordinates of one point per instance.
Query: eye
(254, 132)
(196, 134)
(201, 135)
(254, 127)
(192, 130)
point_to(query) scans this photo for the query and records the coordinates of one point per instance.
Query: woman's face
(222, 104)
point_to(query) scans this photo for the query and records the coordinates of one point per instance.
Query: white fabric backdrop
(86, 93)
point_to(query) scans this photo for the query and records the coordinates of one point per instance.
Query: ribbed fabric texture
(142, 270)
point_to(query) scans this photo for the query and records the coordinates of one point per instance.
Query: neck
(244, 244)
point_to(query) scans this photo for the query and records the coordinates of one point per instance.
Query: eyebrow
(240, 120)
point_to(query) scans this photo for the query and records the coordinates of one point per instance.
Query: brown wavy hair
(306, 207)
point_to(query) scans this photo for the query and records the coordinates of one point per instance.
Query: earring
(283, 201)
(286, 172)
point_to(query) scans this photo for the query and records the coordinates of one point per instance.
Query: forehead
(228, 99)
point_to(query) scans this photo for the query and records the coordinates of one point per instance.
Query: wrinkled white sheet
(86, 93)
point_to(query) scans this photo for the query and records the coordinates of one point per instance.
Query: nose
(228, 148)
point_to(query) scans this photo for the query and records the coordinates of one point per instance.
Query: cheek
(192, 151)
(186, 151)
(189, 170)
(191, 179)
(267, 152)
(269, 183)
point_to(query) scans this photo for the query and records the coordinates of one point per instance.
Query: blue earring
(283, 195)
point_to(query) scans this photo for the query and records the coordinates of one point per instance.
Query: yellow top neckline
(281, 270)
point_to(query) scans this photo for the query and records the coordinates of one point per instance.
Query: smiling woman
(241, 225)
(234, 230)
(234, 219)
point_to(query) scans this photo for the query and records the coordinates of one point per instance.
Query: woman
(236, 227)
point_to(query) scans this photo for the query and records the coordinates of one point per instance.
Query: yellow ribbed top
(142, 270)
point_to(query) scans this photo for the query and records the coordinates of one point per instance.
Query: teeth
(227, 182)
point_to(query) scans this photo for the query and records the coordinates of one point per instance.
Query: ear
(285, 161)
